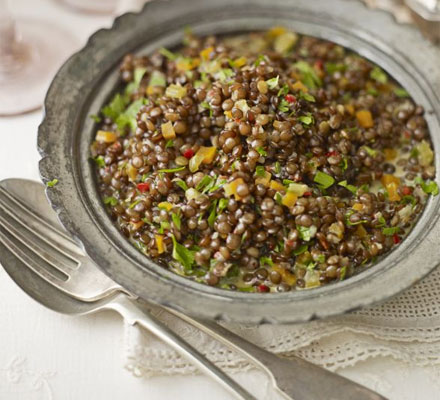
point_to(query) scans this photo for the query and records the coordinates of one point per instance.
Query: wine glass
(31, 51)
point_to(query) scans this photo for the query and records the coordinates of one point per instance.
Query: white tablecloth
(44, 355)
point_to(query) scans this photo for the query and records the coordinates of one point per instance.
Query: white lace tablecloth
(393, 348)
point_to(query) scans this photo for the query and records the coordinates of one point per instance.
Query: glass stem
(7, 39)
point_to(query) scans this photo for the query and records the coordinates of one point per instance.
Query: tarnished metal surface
(89, 78)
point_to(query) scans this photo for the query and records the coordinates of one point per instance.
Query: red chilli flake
(263, 288)
(290, 98)
(407, 134)
(307, 194)
(406, 190)
(319, 64)
(332, 153)
(396, 238)
(143, 187)
(188, 153)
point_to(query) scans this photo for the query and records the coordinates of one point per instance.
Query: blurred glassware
(93, 6)
(426, 14)
(31, 51)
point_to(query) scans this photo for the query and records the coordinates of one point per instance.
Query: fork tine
(31, 260)
(36, 244)
(30, 220)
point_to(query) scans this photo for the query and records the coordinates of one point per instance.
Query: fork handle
(294, 377)
(135, 314)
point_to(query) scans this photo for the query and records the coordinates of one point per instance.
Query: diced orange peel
(391, 184)
(299, 86)
(364, 118)
(263, 180)
(205, 54)
(106, 136)
(204, 155)
(289, 199)
(358, 206)
(349, 108)
(131, 172)
(360, 231)
(137, 225)
(231, 188)
(286, 275)
(393, 194)
(168, 131)
(160, 244)
(165, 205)
(276, 31)
(390, 154)
(388, 178)
(187, 64)
(275, 185)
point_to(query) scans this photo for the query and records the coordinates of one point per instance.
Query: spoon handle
(135, 314)
(294, 377)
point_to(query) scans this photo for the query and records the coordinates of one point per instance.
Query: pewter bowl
(89, 78)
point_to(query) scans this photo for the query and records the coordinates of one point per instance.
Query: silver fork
(56, 258)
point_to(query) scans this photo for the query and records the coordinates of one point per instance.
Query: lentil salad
(262, 162)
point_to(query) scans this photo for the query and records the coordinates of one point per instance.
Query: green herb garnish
(170, 170)
(212, 214)
(266, 261)
(176, 220)
(273, 82)
(115, 107)
(157, 78)
(283, 91)
(181, 183)
(400, 92)
(261, 151)
(169, 143)
(204, 182)
(222, 204)
(323, 180)
(429, 187)
(371, 152)
(137, 78)
(306, 232)
(308, 75)
(168, 54)
(95, 118)
(99, 160)
(331, 68)
(390, 231)
(278, 198)
(378, 75)
(277, 168)
(284, 105)
(183, 255)
(307, 96)
(52, 183)
(110, 201)
(260, 171)
(353, 189)
(207, 106)
(306, 119)
(301, 249)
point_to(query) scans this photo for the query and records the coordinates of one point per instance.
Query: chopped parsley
(400, 92)
(168, 54)
(308, 75)
(353, 189)
(307, 96)
(169, 143)
(283, 90)
(273, 82)
(306, 119)
(266, 261)
(378, 75)
(284, 105)
(181, 183)
(301, 249)
(390, 231)
(112, 201)
(99, 160)
(323, 180)
(52, 183)
(95, 118)
(306, 232)
(261, 151)
(429, 187)
(170, 170)
(183, 255)
(260, 171)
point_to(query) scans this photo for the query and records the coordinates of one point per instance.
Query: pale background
(44, 355)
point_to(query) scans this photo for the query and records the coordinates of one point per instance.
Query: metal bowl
(90, 77)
